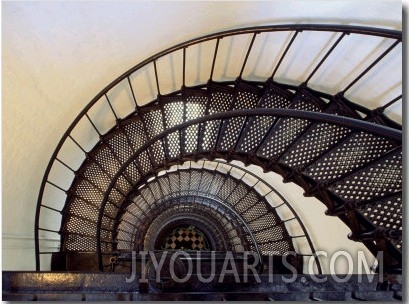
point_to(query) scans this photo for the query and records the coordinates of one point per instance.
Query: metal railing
(294, 31)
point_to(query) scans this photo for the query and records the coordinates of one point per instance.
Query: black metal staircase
(160, 164)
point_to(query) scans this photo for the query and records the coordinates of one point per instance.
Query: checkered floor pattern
(186, 238)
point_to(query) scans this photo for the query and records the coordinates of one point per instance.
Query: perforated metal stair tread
(355, 151)
(257, 127)
(382, 177)
(220, 100)
(189, 184)
(386, 213)
(319, 138)
(245, 97)
(173, 112)
(287, 130)
(196, 104)
(320, 151)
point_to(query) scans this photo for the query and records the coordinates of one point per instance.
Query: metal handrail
(243, 173)
(286, 203)
(311, 116)
(345, 29)
(236, 214)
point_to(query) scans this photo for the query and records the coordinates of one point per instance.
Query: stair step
(196, 103)
(129, 139)
(257, 127)
(220, 100)
(385, 213)
(378, 179)
(153, 121)
(123, 143)
(287, 130)
(245, 97)
(135, 133)
(318, 138)
(173, 111)
(355, 151)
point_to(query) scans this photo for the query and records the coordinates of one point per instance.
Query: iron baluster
(78, 145)
(156, 77)
(184, 68)
(371, 66)
(58, 187)
(53, 209)
(110, 106)
(65, 165)
(132, 91)
(390, 103)
(48, 230)
(325, 57)
(284, 54)
(247, 54)
(93, 125)
(214, 58)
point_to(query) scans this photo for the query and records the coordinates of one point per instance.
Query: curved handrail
(236, 214)
(244, 172)
(312, 116)
(346, 29)
(287, 204)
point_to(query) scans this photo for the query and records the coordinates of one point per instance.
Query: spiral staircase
(171, 145)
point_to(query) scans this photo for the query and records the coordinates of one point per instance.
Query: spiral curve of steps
(163, 157)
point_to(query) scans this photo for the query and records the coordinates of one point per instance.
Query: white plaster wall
(56, 56)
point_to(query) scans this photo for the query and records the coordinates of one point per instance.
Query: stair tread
(356, 150)
(311, 146)
(195, 107)
(384, 212)
(375, 180)
(286, 130)
(257, 127)
(153, 121)
(319, 138)
(220, 100)
(246, 97)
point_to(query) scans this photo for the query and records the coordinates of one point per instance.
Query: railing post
(325, 57)
(284, 53)
(247, 54)
(371, 65)
(296, 28)
(214, 58)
